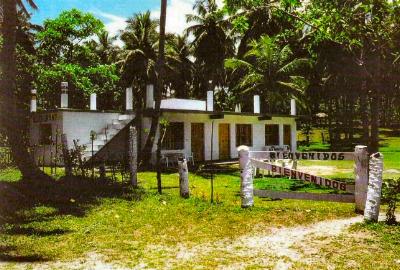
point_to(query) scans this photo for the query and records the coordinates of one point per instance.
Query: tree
(67, 53)
(271, 72)
(212, 44)
(11, 114)
(181, 68)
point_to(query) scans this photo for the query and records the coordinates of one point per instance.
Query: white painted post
(361, 173)
(128, 99)
(150, 96)
(292, 106)
(373, 201)
(93, 102)
(246, 177)
(64, 94)
(256, 102)
(210, 101)
(33, 100)
(132, 155)
(280, 134)
(183, 178)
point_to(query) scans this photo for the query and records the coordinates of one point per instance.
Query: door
(197, 141)
(286, 135)
(224, 141)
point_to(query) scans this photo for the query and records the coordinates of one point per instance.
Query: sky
(115, 12)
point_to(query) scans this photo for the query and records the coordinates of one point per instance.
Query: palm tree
(180, 66)
(105, 47)
(139, 57)
(212, 44)
(269, 71)
(12, 114)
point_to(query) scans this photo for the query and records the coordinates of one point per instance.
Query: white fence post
(361, 181)
(373, 201)
(183, 178)
(246, 177)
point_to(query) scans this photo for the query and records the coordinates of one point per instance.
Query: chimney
(238, 108)
(150, 96)
(210, 101)
(93, 102)
(33, 100)
(292, 106)
(256, 104)
(64, 94)
(128, 99)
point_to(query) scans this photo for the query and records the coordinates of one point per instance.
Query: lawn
(74, 217)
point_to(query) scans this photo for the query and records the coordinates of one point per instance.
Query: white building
(193, 128)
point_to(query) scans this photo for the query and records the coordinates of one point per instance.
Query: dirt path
(278, 248)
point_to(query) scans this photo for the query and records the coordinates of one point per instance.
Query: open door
(197, 141)
(224, 142)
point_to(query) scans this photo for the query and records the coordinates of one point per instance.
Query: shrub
(391, 196)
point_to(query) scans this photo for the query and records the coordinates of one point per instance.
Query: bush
(391, 195)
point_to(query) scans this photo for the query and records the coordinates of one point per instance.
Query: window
(271, 134)
(286, 134)
(173, 139)
(45, 134)
(244, 135)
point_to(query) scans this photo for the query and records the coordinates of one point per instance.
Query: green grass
(77, 216)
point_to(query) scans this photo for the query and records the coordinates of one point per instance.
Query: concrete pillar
(293, 137)
(292, 106)
(93, 102)
(246, 177)
(373, 200)
(33, 100)
(150, 96)
(128, 99)
(361, 173)
(64, 94)
(210, 101)
(281, 134)
(257, 107)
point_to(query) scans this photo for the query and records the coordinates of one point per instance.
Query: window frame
(172, 140)
(241, 139)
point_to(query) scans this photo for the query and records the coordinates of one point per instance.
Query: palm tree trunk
(159, 89)
(12, 117)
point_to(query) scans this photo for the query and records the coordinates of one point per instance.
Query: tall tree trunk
(159, 87)
(11, 116)
(364, 112)
(375, 104)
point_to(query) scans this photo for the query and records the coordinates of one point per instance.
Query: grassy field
(74, 217)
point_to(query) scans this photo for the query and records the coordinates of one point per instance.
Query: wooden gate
(197, 141)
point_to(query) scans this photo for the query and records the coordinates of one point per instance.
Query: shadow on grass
(24, 202)
(6, 255)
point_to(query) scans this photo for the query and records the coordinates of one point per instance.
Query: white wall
(183, 104)
(77, 125)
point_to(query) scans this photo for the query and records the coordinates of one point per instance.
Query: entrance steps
(106, 134)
